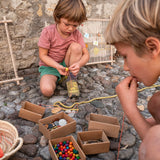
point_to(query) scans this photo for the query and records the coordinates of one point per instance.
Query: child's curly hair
(72, 10)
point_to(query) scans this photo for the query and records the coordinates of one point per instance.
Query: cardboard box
(62, 131)
(93, 147)
(70, 138)
(31, 112)
(110, 125)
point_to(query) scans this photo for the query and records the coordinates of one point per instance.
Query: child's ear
(153, 45)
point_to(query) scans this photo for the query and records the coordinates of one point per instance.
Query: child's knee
(149, 148)
(75, 48)
(47, 91)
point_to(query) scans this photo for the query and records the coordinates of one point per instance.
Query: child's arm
(127, 93)
(84, 59)
(43, 55)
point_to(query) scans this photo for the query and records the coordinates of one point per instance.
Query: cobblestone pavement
(94, 81)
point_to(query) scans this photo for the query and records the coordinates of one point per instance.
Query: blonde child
(61, 45)
(135, 32)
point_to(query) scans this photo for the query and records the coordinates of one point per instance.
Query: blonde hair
(72, 10)
(133, 22)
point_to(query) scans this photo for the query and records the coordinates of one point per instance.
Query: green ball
(64, 142)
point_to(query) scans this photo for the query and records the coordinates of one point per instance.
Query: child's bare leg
(149, 148)
(74, 54)
(48, 85)
(154, 106)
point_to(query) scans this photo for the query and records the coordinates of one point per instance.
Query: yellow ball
(67, 69)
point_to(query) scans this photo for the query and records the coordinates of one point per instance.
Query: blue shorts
(50, 70)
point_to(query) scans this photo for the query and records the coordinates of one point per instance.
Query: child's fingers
(133, 82)
(128, 79)
(126, 82)
(66, 69)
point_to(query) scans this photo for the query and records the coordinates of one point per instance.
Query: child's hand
(74, 68)
(62, 70)
(127, 94)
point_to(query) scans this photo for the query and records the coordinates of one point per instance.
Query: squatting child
(135, 32)
(61, 45)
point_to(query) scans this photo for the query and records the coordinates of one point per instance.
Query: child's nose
(125, 66)
(71, 28)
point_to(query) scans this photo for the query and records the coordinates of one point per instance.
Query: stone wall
(28, 19)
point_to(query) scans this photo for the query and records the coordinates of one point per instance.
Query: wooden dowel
(10, 80)
(10, 49)
(107, 61)
(98, 43)
(6, 21)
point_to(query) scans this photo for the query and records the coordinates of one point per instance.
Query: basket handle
(7, 155)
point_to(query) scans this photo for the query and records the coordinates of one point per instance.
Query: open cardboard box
(110, 125)
(92, 136)
(62, 131)
(31, 112)
(57, 140)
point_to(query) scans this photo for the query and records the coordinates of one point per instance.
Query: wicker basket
(10, 143)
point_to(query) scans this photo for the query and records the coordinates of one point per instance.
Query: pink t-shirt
(57, 46)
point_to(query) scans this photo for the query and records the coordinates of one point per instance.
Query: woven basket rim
(4, 123)
(14, 150)
(11, 132)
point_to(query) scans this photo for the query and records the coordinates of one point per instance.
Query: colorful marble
(66, 151)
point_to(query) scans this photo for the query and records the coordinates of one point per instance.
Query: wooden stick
(10, 80)
(10, 49)
(100, 62)
(98, 43)
(6, 21)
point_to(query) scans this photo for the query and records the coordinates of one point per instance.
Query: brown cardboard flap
(58, 116)
(104, 119)
(31, 112)
(90, 135)
(93, 148)
(34, 108)
(70, 138)
(69, 128)
(109, 125)
(29, 115)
